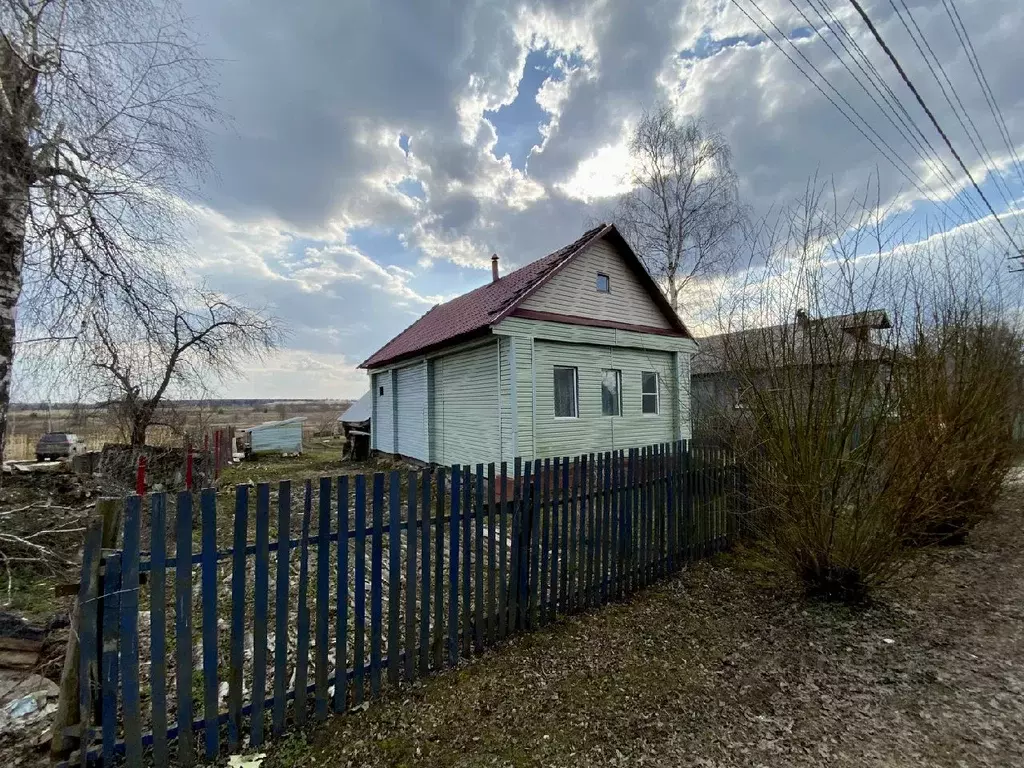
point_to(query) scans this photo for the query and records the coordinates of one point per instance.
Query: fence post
(107, 521)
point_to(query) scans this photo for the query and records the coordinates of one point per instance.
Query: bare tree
(683, 210)
(203, 338)
(101, 111)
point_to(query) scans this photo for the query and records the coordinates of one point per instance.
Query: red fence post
(140, 477)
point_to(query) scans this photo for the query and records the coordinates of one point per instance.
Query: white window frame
(597, 282)
(618, 392)
(575, 391)
(657, 394)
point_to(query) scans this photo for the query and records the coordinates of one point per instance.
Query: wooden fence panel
(281, 583)
(208, 509)
(261, 597)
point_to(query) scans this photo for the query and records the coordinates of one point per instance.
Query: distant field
(96, 426)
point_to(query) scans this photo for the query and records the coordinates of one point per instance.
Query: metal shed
(275, 436)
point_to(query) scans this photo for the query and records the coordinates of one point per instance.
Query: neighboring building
(576, 352)
(355, 425)
(718, 388)
(275, 436)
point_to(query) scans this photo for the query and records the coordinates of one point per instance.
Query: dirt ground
(723, 666)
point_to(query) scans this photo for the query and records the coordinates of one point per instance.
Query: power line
(983, 152)
(979, 74)
(906, 79)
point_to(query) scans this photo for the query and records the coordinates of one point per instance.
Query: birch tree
(683, 210)
(102, 105)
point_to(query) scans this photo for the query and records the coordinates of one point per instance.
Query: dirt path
(720, 668)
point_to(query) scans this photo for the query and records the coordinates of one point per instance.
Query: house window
(380, 391)
(566, 405)
(611, 393)
(650, 400)
(604, 283)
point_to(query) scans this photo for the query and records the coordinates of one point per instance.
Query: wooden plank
(281, 589)
(659, 513)
(523, 553)
(359, 608)
(439, 542)
(553, 591)
(643, 508)
(109, 672)
(426, 480)
(606, 527)
(545, 542)
(88, 650)
(260, 613)
(424, 576)
(535, 547)
(453, 566)
(411, 525)
(237, 639)
(478, 564)
(302, 610)
(589, 494)
(376, 584)
(687, 491)
(492, 565)
(503, 554)
(341, 600)
(573, 578)
(394, 572)
(513, 575)
(208, 508)
(131, 704)
(564, 551)
(467, 560)
(183, 626)
(158, 626)
(323, 599)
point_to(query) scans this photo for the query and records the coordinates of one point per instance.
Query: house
(730, 364)
(576, 352)
(275, 436)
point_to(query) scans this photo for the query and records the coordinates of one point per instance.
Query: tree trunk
(139, 425)
(15, 181)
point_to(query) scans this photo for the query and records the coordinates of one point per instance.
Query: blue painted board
(323, 598)
(453, 567)
(394, 573)
(341, 605)
(109, 671)
(534, 539)
(183, 627)
(237, 639)
(554, 511)
(545, 542)
(439, 586)
(503, 553)
(563, 587)
(302, 610)
(158, 626)
(411, 526)
(492, 564)
(260, 612)
(478, 562)
(376, 584)
(208, 507)
(131, 704)
(281, 586)
(525, 513)
(359, 649)
(426, 481)
(513, 575)
(573, 552)
(467, 560)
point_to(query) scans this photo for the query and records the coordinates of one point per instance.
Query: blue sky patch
(412, 188)
(404, 143)
(707, 46)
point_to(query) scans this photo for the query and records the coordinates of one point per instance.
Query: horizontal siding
(592, 431)
(465, 409)
(412, 411)
(508, 442)
(581, 334)
(573, 290)
(524, 396)
(383, 425)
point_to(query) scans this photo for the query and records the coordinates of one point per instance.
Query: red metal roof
(473, 313)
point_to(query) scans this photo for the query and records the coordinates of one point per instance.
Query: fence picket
(503, 553)
(158, 626)
(261, 597)
(467, 559)
(513, 579)
(563, 586)
(341, 605)
(606, 526)
(478, 564)
(281, 584)
(394, 572)
(410, 575)
(492, 570)
(425, 484)
(208, 509)
(545, 515)
(183, 626)
(554, 512)
(109, 671)
(323, 601)
(359, 649)
(302, 609)
(237, 616)
(453, 567)
(574, 581)
(534, 539)
(523, 554)
(439, 542)
(376, 585)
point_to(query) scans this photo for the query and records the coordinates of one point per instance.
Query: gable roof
(473, 313)
(763, 347)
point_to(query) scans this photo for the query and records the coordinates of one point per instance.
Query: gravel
(723, 666)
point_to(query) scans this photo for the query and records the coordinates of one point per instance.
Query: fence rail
(374, 579)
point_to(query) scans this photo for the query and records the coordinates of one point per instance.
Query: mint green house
(577, 352)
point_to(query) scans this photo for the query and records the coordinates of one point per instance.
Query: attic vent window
(604, 283)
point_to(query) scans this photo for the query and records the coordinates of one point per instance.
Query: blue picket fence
(450, 561)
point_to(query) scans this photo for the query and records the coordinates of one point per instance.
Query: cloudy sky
(378, 152)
